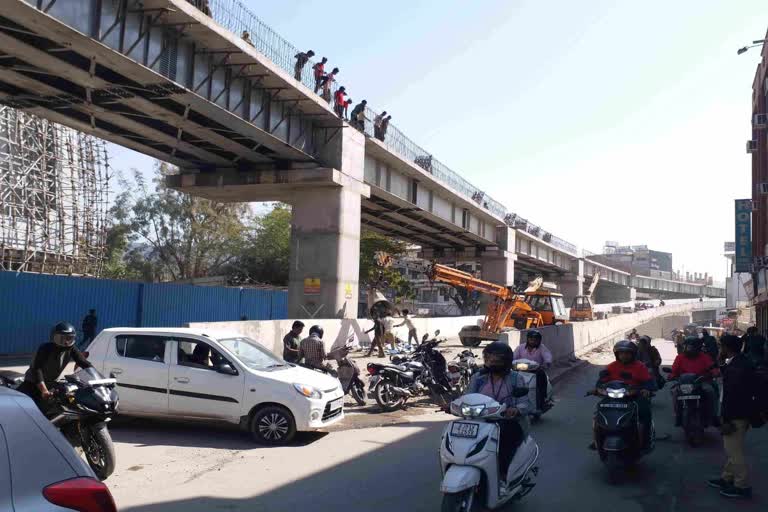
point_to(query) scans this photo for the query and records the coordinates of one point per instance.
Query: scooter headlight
(521, 367)
(472, 411)
(617, 393)
(686, 389)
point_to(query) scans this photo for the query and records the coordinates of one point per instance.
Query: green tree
(396, 284)
(268, 249)
(160, 234)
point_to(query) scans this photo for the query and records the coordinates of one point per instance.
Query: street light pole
(754, 44)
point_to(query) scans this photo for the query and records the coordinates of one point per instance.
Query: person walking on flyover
(383, 128)
(377, 124)
(291, 342)
(339, 101)
(327, 83)
(90, 323)
(319, 71)
(739, 405)
(301, 60)
(357, 117)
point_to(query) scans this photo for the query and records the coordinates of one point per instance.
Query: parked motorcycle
(81, 406)
(530, 370)
(349, 373)
(469, 457)
(460, 371)
(695, 414)
(423, 371)
(616, 428)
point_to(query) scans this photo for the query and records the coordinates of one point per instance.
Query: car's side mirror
(226, 369)
(425, 337)
(520, 392)
(666, 369)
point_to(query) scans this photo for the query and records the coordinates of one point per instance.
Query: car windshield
(251, 354)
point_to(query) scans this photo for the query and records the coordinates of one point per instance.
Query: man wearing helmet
(498, 381)
(536, 351)
(312, 349)
(628, 369)
(693, 360)
(50, 360)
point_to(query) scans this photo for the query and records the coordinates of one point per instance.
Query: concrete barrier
(565, 341)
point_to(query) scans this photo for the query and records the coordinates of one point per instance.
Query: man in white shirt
(411, 328)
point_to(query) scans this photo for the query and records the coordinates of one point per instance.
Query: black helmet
(644, 339)
(63, 334)
(498, 356)
(535, 334)
(316, 329)
(692, 344)
(625, 346)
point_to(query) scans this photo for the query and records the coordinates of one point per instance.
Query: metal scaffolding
(54, 185)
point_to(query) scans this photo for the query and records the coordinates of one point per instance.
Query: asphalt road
(170, 468)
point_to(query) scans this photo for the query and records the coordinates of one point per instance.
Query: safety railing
(237, 18)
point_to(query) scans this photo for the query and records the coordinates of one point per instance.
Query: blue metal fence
(31, 303)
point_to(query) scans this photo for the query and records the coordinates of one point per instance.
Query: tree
(397, 284)
(160, 234)
(468, 303)
(268, 251)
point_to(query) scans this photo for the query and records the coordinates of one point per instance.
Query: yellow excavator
(582, 307)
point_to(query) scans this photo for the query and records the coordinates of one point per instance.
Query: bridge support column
(499, 264)
(572, 285)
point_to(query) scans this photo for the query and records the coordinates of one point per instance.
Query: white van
(205, 375)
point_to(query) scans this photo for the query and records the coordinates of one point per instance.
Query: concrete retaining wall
(565, 341)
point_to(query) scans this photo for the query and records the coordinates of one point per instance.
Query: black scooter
(688, 393)
(81, 406)
(616, 428)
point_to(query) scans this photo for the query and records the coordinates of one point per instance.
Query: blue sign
(743, 262)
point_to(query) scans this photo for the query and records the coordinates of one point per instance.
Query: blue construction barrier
(30, 304)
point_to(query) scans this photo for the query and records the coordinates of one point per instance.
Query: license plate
(460, 429)
(336, 404)
(689, 397)
(614, 406)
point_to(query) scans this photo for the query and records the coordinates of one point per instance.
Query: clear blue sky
(597, 120)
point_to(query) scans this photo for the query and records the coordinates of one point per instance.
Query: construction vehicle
(544, 298)
(582, 307)
(509, 309)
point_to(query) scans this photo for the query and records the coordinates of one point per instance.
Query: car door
(197, 388)
(140, 363)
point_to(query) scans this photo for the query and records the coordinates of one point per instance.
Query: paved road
(170, 468)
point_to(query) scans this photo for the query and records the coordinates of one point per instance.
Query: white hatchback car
(205, 375)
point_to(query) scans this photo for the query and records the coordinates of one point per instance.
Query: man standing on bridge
(357, 117)
(339, 102)
(301, 60)
(327, 82)
(319, 71)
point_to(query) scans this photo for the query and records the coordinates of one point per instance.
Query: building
(637, 259)
(757, 146)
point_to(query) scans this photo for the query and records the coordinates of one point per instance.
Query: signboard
(743, 259)
(348, 291)
(729, 246)
(311, 286)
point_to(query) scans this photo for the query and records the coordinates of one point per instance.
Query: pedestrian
(357, 117)
(710, 344)
(339, 101)
(387, 326)
(378, 335)
(383, 128)
(327, 82)
(90, 323)
(291, 342)
(346, 108)
(651, 358)
(377, 124)
(319, 71)
(247, 37)
(301, 60)
(754, 345)
(412, 334)
(312, 349)
(739, 406)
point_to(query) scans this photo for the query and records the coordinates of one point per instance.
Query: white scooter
(528, 370)
(469, 457)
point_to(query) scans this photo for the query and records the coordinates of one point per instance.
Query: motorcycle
(460, 371)
(529, 370)
(349, 373)
(424, 371)
(688, 392)
(616, 428)
(80, 407)
(469, 462)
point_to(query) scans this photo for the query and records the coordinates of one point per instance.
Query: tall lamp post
(754, 44)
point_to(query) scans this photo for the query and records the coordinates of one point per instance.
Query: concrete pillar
(325, 234)
(572, 285)
(499, 263)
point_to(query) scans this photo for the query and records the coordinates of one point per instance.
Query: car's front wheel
(273, 426)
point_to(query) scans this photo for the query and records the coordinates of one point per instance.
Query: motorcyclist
(650, 357)
(628, 369)
(710, 344)
(49, 361)
(693, 360)
(536, 351)
(498, 381)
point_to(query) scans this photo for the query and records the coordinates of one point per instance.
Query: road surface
(175, 468)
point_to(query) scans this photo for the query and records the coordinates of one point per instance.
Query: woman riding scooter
(498, 381)
(536, 351)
